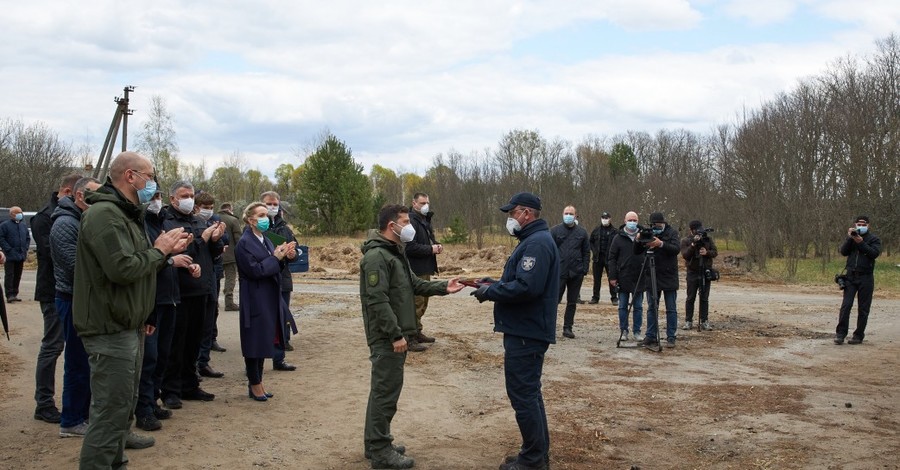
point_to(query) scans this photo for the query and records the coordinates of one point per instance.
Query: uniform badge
(527, 263)
(373, 278)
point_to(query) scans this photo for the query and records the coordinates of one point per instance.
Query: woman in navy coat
(263, 313)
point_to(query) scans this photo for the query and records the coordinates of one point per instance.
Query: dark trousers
(254, 366)
(165, 335)
(573, 284)
(52, 346)
(523, 363)
(278, 350)
(181, 372)
(863, 286)
(148, 388)
(598, 273)
(209, 328)
(693, 287)
(76, 392)
(12, 271)
(384, 392)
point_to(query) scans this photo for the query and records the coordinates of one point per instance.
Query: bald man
(14, 241)
(624, 271)
(113, 294)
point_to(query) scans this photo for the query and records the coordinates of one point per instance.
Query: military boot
(388, 458)
(413, 345)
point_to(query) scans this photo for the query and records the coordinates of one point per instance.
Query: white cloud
(761, 12)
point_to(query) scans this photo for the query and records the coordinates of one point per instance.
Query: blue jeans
(671, 315)
(637, 311)
(76, 393)
(523, 363)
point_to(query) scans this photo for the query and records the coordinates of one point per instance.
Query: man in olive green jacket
(387, 290)
(113, 294)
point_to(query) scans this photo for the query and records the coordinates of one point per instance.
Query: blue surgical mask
(657, 231)
(262, 224)
(568, 219)
(862, 229)
(632, 226)
(19, 217)
(146, 194)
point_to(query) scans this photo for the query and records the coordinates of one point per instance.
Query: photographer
(861, 248)
(698, 251)
(662, 240)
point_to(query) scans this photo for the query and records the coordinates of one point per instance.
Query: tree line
(786, 177)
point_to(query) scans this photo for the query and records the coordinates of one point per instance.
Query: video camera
(703, 242)
(646, 234)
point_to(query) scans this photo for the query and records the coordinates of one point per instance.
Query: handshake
(481, 286)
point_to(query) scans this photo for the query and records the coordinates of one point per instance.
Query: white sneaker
(624, 336)
(638, 337)
(688, 325)
(79, 430)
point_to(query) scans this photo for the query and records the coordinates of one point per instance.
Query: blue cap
(523, 199)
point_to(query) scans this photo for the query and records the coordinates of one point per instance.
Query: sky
(403, 81)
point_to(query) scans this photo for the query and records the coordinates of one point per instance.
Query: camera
(854, 233)
(711, 274)
(646, 234)
(841, 281)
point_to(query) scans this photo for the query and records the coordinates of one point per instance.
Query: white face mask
(154, 206)
(272, 211)
(407, 233)
(186, 205)
(512, 226)
(605, 222)
(205, 214)
(424, 209)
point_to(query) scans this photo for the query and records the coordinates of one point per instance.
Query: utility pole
(120, 118)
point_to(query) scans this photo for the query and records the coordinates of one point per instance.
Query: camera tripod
(649, 259)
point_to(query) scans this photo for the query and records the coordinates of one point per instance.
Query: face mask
(605, 222)
(272, 211)
(657, 230)
(186, 205)
(568, 219)
(19, 217)
(146, 194)
(262, 224)
(205, 214)
(424, 209)
(631, 226)
(155, 206)
(862, 229)
(407, 233)
(513, 226)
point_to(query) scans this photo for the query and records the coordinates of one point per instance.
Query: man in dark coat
(525, 301)
(624, 269)
(601, 237)
(861, 248)
(53, 341)
(664, 248)
(14, 241)
(574, 263)
(698, 252)
(422, 254)
(387, 288)
(279, 226)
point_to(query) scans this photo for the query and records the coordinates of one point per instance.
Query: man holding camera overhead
(861, 248)
(698, 251)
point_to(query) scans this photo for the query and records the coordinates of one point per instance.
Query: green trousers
(115, 361)
(386, 384)
(421, 303)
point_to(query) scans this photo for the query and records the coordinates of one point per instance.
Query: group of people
(128, 287)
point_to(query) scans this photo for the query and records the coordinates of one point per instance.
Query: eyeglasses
(145, 175)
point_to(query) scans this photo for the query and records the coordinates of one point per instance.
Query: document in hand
(275, 238)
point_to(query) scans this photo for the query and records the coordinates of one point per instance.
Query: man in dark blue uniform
(525, 302)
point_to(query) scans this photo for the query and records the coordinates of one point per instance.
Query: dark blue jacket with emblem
(526, 297)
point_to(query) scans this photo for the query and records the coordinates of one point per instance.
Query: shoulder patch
(528, 263)
(372, 278)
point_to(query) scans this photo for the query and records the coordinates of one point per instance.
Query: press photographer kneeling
(698, 251)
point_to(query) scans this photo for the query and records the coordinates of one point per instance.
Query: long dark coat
(263, 313)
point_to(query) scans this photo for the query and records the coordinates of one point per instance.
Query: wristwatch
(170, 261)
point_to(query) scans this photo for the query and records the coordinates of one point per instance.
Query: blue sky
(402, 81)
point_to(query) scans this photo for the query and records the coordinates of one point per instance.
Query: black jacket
(41, 223)
(666, 259)
(200, 251)
(279, 226)
(421, 257)
(574, 250)
(167, 291)
(601, 237)
(624, 264)
(691, 254)
(860, 256)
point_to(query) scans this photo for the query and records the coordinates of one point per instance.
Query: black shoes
(198, 395)
(208, 371)
(390, 458)
(567, 332)
(172, 402)
(594, 301)
(263, 397)
(423, 338)
(838, 340)
(285, 366)
(232, 308)
(13, 299)
(288, 346)
(414, 346)
(215, 347)
(161, 413)
(854, 340)
(47, 415)
(147, 423)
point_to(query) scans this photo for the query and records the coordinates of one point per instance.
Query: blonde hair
(248, 211)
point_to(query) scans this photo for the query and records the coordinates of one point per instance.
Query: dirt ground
(765, 389)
